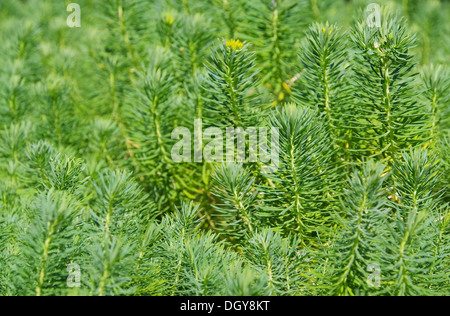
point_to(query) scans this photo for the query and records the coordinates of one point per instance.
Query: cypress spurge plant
(303, 194)
(57, 110)
(232, 75)
(324, 84)
(274, 27)
(441, 250)
(408, 253)
(145, 279)
(387, 116)
(45, 246)
(87, 177)
(110, 267)
(191, 45)
(437, 84)
(245, 282)
(231, 13)
(444, 146)
(234, 186)
(106, 143)
(278, 259)
(357, 244)
(120, 217)
(175, 237)
(17, 62)
(120, 202)
(206, 257)
(5, 253)
(150, 121)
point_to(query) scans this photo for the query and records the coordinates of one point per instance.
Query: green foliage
(271, 27)
(393, 119)
(357, 244)
(437, 83)
(276, 258)
(46, 245)
(324, 85)
(409, 247)
(356, 204)
(232, 74)
(304, 190)
(234, 186)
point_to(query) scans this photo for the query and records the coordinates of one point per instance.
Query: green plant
(355, 204)
(357, 245)
(387, 116)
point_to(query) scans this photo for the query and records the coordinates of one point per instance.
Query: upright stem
(355, 247)
(57, 122)
(387, 102)
(45, 259)
(315, 10)
(245, 216)
(434, 118)
(123, 28)
(180, 262)
(276, 53)
(297, 197)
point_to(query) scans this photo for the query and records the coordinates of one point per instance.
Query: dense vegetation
(358, 205)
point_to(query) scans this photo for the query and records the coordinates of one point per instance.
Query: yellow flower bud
(235, 44)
